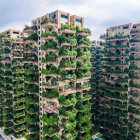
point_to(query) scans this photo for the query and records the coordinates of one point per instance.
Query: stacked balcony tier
(97, 60)
(83, 87)
(134, 94)
(114, 98)
(31, 80)
(6, 88)
(18, 89)
(49, 82)
(67, 87)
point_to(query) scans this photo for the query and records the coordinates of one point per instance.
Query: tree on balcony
(52, 44)
(50, 119)
(33, 36)
(51, 93)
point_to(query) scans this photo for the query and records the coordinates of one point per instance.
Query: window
(113, 29)
(125, 27)
(63, 16)
(78, 20)
(15, 32)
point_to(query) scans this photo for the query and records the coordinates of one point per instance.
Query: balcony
(135, 85)
(119, 37)
(134, 102)
(50, 108)
(69, 100)
(67, 52)
(84, 41)
(50, 85)
(6, 50)
(134, 110)
(69, 135)
(67, 64)
(116, 87)
(83, 106)
(84, 97)
(48, 25)
(118, 71)
(117, 95)
(83, 74)
(67, 88)
(51, 131)
(85, 65)
(50, 70)
(32, 128)
(83, 117)
(85, 86)
(67, 29)
(18, 115)
(84, 32)
(51, 93)
(31, 88)
(31, 119)
(133, 67)
(49, 35)
(50, 137)
(18, 108)
(68, 112)
(81, 53)
(68, 126)
(32, 108)
(50, 119)
(134, 40)
(31, 38)
(67, 41)
(135, 32)
(32, 99)
(53, 45)
(68, 77)
(29, 29)
(19, 121)
(49, 58)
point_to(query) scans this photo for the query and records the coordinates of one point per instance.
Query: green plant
(68, 26)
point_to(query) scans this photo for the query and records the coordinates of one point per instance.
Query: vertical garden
(31, 80)
(18, 89)
(66, 99)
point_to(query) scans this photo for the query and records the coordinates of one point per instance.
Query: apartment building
(134, 91)
(97, 60)
(119, 116)
(45, 75)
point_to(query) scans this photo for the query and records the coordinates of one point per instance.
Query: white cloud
(99, 14)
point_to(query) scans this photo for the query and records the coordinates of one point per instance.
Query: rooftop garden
(47, 20)
(30, 27)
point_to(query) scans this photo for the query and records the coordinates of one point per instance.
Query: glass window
(63, 16)
(15, 32)
(78, 20)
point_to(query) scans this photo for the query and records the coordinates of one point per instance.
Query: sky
(98, 14)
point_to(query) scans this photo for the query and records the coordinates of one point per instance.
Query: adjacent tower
(118, 105)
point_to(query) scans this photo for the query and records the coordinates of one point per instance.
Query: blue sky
(98, 14)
